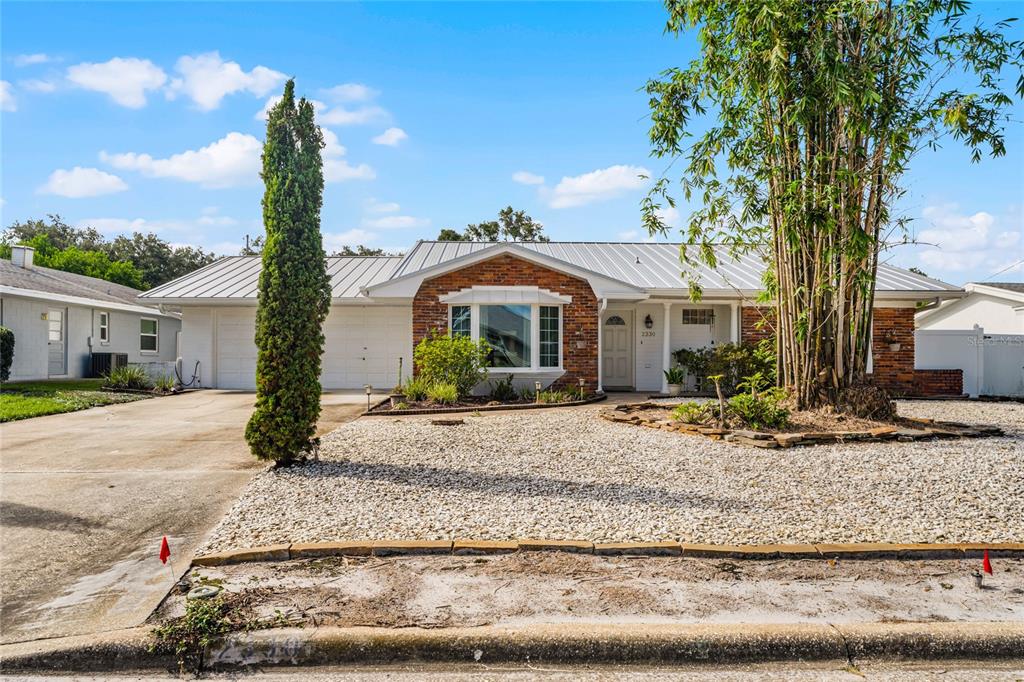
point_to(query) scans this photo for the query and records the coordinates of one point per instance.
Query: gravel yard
(567, 474)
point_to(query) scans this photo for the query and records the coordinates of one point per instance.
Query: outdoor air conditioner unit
(103, 363)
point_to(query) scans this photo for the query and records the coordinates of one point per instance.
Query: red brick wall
(579, 321)
(893, 370)
(938, 382)
(756, 323)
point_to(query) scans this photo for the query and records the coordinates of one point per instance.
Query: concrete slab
(88, 495)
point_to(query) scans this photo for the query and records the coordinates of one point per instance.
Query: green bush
(503, 391)
(164, 384)
(190, 636)
(556, 396)
(675, 375)
(692, 412)
(730, 360)
(6, 353)
(444, 359)
(130, 377)
(760, 410)
(443, 393)
(415, 389)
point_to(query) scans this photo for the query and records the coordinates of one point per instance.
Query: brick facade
(893, 370)
(938, 382)
(579, 318)
(756, 323)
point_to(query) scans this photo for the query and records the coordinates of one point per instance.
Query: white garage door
(236, 348)
(362, 346)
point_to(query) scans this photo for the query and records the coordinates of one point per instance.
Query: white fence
(993, 364)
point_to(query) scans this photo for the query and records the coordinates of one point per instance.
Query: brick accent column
(756, 323)
(579, 319)
(893, 370)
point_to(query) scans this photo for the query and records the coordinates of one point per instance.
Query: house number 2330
(648, 333)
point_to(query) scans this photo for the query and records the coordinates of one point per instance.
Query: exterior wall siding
(579, 324)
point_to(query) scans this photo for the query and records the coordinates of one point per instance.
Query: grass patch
(27, 399)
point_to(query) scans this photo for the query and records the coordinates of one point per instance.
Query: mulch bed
(805, 428)
(482, 404)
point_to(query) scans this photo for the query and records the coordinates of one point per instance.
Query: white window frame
(474, 334)
(156, 335)
(104, 328)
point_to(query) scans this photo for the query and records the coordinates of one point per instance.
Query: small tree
(294, 289)
(454, 360)
(6, 353)
(511, 226)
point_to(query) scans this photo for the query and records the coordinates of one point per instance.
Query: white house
(609, 314)
(60, 319)
(996, 307)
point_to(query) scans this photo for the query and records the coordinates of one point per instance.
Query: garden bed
(804, 428)
(481, 404)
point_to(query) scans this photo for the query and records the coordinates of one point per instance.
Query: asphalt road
(85, 498)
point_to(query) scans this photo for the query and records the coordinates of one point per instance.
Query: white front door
(57, 357)
(617, 350)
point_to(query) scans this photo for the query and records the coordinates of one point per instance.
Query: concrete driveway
(85, 498)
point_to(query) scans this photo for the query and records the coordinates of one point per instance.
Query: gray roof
(644, 265)
(237, 277)
(63, 283)
(1016, 287)
(652, 265)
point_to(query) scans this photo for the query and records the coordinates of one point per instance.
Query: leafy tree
(159, 261)
(252, 247)
(6, 353)
(58, 233)
(794, 127)
(74, 259)
(294, 290)
(359, 250)
(511, 226)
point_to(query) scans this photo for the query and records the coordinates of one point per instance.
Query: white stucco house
(60, 319)
(607, 314)
(996, 307)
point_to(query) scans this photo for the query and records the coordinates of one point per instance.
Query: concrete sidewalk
(87, 496)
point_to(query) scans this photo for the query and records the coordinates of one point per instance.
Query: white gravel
(567, 474)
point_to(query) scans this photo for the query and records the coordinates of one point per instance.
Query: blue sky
(146, 116)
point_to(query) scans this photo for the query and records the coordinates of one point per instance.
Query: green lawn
(37, 398)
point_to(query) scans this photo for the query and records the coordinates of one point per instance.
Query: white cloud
(126, 81)
(374, 206)
(207, 79)
(668, 215)
(334, 241)
(527, 178)
(599, 185)
(30, 59)
(349, 92)
(391, 137)
(955, 242)
(395, 222)
(336, 168)
(230, 161)
(340, 116)
(7, 101)
(37, 85)
(81, 182)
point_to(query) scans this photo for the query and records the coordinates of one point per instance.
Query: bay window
(521, 336)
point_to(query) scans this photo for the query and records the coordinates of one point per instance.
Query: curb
(565, 643)
(865, 550)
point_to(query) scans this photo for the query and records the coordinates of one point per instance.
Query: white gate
(993, 364)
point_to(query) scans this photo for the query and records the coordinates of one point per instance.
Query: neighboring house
(609, 314)
(996, 307)
(60, 318)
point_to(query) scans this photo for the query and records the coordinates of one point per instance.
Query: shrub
(555, 396)
(760, 410)
(503, 391)
(443, 393)
(6, 353)
(675, 375)
(692, 412)
(415, 389)
(131, 377)
(730, 360)
(294, 291)
(456, 360)
(190, 636)
(164, 384)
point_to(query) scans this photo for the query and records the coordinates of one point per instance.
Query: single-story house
(609, 314)
(60, 319)
(996, 307)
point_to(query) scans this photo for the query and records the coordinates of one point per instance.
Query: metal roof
(237, 277)
(651, 265)
(48, 280)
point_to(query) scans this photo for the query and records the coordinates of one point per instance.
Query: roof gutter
(80, 300)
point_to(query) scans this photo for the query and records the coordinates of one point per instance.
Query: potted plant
(675, 376)
(891, 340)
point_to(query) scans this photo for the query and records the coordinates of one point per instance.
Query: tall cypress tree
(294, 289)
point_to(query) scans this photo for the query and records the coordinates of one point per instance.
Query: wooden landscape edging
(930, 429)
(374, 412)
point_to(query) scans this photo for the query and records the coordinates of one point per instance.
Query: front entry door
(617, 350)
(57, 365)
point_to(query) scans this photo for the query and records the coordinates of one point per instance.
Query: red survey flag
(986, 565)
(165, 552)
